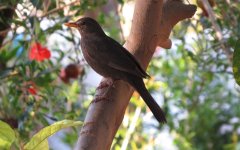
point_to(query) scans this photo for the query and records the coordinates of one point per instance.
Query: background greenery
(193, 80)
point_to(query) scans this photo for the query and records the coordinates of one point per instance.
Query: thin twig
(9, 41)
(59, 8)
(131, 128)
(216, 27)
(6, 7)
(4, 31)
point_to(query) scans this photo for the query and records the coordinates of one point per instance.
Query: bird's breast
(91, 54)
(97, 53)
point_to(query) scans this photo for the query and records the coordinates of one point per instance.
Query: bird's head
(86, 26)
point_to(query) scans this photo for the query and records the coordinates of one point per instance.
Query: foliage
(236, 63)
(7, 136)
(193, 80)
(38, 141)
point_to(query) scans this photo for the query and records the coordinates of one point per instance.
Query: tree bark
(105, 113)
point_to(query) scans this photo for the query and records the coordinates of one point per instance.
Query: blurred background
(44, 78)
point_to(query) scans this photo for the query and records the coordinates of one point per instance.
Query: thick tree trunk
(106, 112)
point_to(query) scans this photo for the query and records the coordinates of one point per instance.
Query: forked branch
(104, 117)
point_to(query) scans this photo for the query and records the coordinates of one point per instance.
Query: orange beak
(71, 24)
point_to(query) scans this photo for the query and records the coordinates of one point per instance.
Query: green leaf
(236, 62)
(37, 140)
(120, 1)
(43, 145)
(7, 136)
(5, 73)
(12, 53)
(36, 3)
(73, 91)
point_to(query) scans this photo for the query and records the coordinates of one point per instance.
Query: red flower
(39, 53)
(32, 90)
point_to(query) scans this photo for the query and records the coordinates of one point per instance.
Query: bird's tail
(139, 86)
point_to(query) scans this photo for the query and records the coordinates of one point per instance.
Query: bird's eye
(83, 23)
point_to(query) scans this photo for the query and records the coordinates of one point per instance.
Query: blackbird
(111, 60)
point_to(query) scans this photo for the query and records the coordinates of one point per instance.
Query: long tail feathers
(139, 86)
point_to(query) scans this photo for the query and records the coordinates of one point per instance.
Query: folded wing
(123, 60)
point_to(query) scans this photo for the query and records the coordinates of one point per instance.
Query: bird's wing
(123, 60)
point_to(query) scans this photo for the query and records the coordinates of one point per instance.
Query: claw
(106, 83)
(100, 98)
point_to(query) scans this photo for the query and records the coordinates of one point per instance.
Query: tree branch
(173, 12)
(55, 10)
(106, 112)
(219, 33)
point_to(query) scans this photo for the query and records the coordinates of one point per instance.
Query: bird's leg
(108, 83)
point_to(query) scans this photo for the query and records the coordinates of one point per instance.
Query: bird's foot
(88, 124)
(87, 132)
(109, 82)
(103, 95)
(100, 98)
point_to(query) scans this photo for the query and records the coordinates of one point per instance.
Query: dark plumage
(110, 59)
